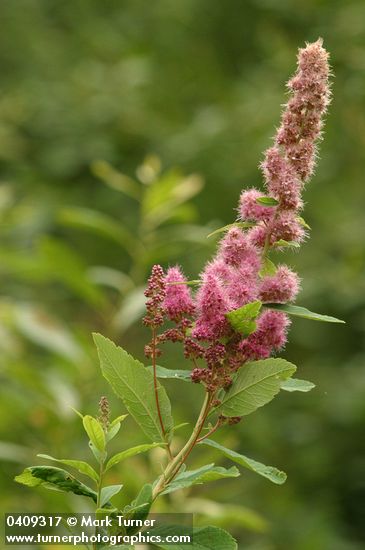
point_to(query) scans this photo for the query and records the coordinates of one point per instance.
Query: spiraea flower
(281, 287)
(155, 294)
(212, 305)
(178, 301)
(236, 275)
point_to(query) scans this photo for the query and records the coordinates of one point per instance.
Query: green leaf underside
(299, 311)
(114, 427)
(268, 268)
(112, 432)
(256, 384)
(201, 475)
(118, 420)
(267, 201)
(140, 507)
(193, 282)
(294, 384)
(204, 538)
(271, 473)
(94, 431)
(286, 244)
(176, 374)
(243, 318)
(128, 453)
(80, 465)
(54, 478)
(242, 225)
(133, 383)
(303, 222)
(108, 492)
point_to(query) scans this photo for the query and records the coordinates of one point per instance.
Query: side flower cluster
(238, 274)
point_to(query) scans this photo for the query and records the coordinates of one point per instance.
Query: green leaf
(140, 507)
(55, 478)
(204, 538)
(27, 478)
(128, 453)
(294, 384)
(63, 264)
(95, 432)
(114, 427)
(303, 222)
(267, 201)
(242, 225)
(118, 420)
(99, 455)
(176, 374)
(303, 312)
(271, 473)
(133, 383)
(115, 179)
(80, 465)
(256, 384)
(286, 244)
(193, 282)
(164, 195)
(268, 268)
(181, 426)
(101, 224)
(199, 476)
(77, 412)
(243, 318)
(108, 492)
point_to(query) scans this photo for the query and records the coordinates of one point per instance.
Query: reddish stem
(155, 384)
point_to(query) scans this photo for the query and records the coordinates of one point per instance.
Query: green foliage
(204, 538)
(80, 465)
(95, 432)
(108, 492)
(268, 268)
(256, 384)
(281, 243)
(271, 473)
(243, 318)
(303, 312)
(176, 374)
(123, 455)
(201, 475)
(55, 479)
(140, 507)
(133, 383)
(267, 201)
(293, 384)
(242, 225)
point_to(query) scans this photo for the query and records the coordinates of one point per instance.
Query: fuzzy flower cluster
(238, 274)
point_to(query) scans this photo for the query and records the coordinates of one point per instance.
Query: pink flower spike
(280, 288)
(218, 268)
(301, 121)
(236, 249)
(282, 180)
(242, 286)
(249, 209)
(288, 228)
(273, 328)
(178, 301)
(212, 305)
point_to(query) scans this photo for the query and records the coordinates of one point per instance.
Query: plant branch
(155, 384)
(214, 429)
(174, 466)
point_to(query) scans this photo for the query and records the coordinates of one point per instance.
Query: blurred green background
(112, 116)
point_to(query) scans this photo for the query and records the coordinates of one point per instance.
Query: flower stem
(155, 384)
(174, 466)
